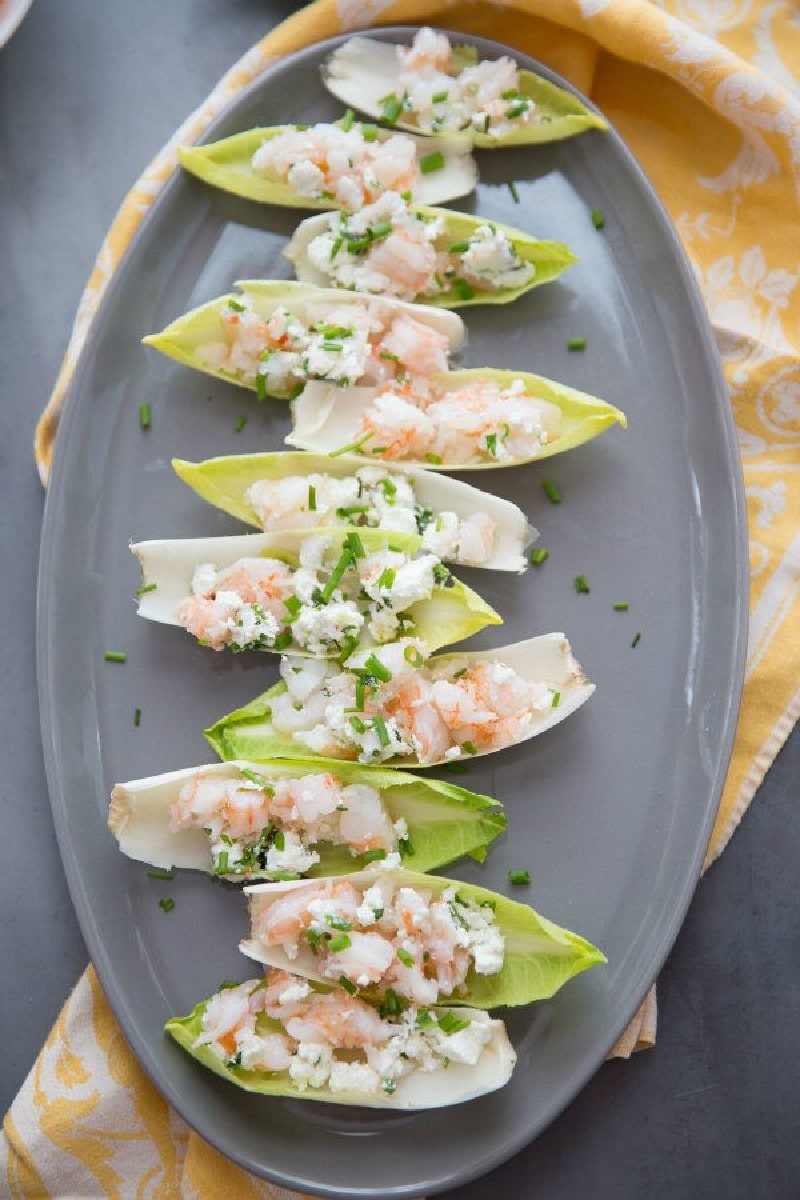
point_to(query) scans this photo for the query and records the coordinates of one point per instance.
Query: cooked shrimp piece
(399, 428)
(336, 1018)
(459, 706)
(476, 538)
(421, 349)
(407, 259)
(225, 1013)
(419, 721)
(363, 824)
(283, 504)
(264, 581)
(364, 961)
(285, 919)
(429, 49)
(198, 802)
(265, 1052)
(302, 802)
(412, 983)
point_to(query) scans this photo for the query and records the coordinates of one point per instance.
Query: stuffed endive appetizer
(344, 165)
(460, 420)
(281, 1036)
(311, 592)
(393, 706)
(432, 87)
(430, 255)
(275, 335)
(417, 938)
(282, 819)
(292, 491)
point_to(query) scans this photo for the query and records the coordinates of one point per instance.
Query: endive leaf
(363, 71)
(249, 733)
(228, 165)
(186, 338)
(326, 418)
(444, 821)
(224, 482)
(539, 956)
(451, 614)
(550, 259)
(417, 1090)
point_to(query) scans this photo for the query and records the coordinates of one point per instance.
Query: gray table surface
(88, 94)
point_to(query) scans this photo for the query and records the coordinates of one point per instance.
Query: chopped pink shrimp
(406, 258)
(398, 428)
(264, 581)
(334, 1017)
(285, 919)
(475, 538)
(364, 961)
(429, 49)
(302, 802)
(421, 350)
(489, 705)
(418, 719)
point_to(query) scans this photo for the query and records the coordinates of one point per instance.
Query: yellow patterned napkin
(702, 93)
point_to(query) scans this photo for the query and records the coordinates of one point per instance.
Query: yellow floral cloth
(702, 91)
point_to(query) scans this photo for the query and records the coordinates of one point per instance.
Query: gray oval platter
(610, 811)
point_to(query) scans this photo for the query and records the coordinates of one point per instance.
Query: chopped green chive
(372, 856)
(556, 700)
(391, 108)
(282, 641)
(292, 604)
(381, 230)
(406, 196)
(144, 416)
(598, 218)
(240, 424)
(468, 748)
(386, 578)
(551, 491)
(297, 389)
(279, 840)
(458, 248)
(435, 460)
(539, 555)
(358, 725)
(388, 356)
(352, 510)
(620, 606)
(115, 656)
(222, 862)
(392, 1005)
(361, 690)
(259, 780)
(336, 246)
(336, 575)
(389, 489)
(491, 444)
(375, 667)
(347, 120)
(167, 904)
(137, 717)
(369, 132)
(261, 386)
(355, 545)
(342, 942)
(146, 587)
(312, 498)
(576, 344)
(405, 958)
(155, 873)
(431, 162)
(236, 306)
(332, 347)
(347, 985)
(352, 447)
(516, 110)
(379, 725)
(487, 121)
(412, 655)
(449, 1023)
(227, 984)
(518, 877)
(340, 923)
(439, 97)
(636, 641)
(582, 585)
(463, 289)
(424, 1019)
(512, 187)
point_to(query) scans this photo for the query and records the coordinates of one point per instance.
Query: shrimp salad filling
(343, 346)
(479, 422)
(349, 164)
(255, 824)
(373, 499)
(332, 1039)
(442, 89)
(408, 943)
(389, 248)
(391, 703)
(338, 593)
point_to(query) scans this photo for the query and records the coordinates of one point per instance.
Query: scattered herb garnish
(576, 344)
(519, 877)
(463, 290)
(620, 606)
(240, 424)
(156, 873)
(115, 656)
(539, 555)
(405, 958)
(582, 585)
(636, 641)
(598, 218)
(431, 162)
(167, 904)
(137, 717)
(144, 416)
(312, 498)
(512, 187)
(551, 491)
(146, 587)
